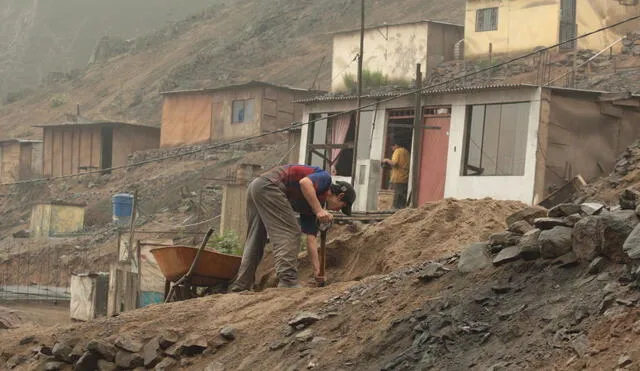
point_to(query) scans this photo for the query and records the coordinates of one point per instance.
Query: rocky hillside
(280, 41)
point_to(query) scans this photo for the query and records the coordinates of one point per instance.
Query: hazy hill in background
(41, 36)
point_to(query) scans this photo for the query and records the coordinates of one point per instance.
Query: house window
(487, 19)
(496, 139)
(330, 143)
(242, 111)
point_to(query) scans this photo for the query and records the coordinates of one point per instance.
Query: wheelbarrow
(187, 268)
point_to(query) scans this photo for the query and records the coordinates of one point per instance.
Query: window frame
(245, 118)
(466, 167)
(481, 14)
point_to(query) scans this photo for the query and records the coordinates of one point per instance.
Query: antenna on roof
(77, 111)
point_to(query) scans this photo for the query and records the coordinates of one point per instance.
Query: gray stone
(528, 214)
(278, 344)
(215, 366)
(521, 227)
(530, 245)
(616, 229)
(151, 353)
(596, 265)
(591, 208)
(62, 351)
(604, 235)
(474, 258)
(632, 244)
(581, 345)
(563, 210)
(193, 344)
(27, 340)
(103, 349)
(88, 362)
(501, 287)
(305, 335)
(128, 360)
(567, 260)
(106, 366)
(504, 239)
(228, 333)
(167, 338)
(166, 364)
(549, 223)
(304, 319)
(128, 344)
(431, 270)
(507, 255)
(629, 199)
(555, 242)
(572, 220)
(587, 238)
(54, 366)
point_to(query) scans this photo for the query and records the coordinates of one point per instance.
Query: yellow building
(56, 218)
(516, 27)
(394, 50)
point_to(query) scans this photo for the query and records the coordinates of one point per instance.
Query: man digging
(273, 199)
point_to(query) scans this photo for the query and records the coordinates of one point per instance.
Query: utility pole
(354, 164)
(418, 128)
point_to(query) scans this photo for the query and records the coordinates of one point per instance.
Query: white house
(508, 142)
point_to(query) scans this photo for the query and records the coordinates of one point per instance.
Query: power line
(301, 124)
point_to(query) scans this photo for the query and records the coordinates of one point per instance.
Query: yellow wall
(595, 14)
(392, 50)
(48, 220)
(524, 25)
(521, 27)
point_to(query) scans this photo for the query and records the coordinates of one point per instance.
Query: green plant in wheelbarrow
(226, 243)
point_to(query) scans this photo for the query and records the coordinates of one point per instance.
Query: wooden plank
(564, 194)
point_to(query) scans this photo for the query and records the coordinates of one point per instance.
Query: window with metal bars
(486, 19)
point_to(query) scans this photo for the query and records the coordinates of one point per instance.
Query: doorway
(568, 27)
(107, 150)
(400, 129)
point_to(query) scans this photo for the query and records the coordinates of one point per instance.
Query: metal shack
(56, 218)
(77, 147)
(20, 159)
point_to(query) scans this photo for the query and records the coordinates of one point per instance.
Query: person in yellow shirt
(399, 174)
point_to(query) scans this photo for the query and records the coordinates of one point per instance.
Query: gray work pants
(269, 212)
(399, 195)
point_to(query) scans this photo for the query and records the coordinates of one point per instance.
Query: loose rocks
(228, 333)
(549, 223)
(103, 349)
(507, 255)
(555, 242)
(475, 257)
(304, 319)
(528, 214)
(563, 210)
(530, 245)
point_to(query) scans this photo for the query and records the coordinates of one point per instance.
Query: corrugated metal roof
(436, 91)
(249, 84)
(18, 140)
(369, 28)
(93, 123)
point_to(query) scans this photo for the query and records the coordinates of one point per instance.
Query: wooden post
(354, 163)
(132, 227)
(490, 72)
(418, 127)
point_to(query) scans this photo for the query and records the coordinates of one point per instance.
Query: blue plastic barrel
(122, 208)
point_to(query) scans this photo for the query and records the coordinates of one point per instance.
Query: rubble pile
(631, 44)
(625, 174)
(169, 350)
(568, 234)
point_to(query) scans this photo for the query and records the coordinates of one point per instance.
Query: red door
(433, 161)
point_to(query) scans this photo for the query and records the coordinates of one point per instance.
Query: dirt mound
(414, 235)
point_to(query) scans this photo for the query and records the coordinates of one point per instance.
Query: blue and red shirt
(288, 178)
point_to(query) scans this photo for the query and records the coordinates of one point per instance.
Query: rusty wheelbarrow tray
(212, 267)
